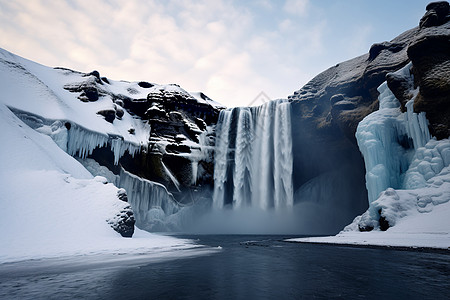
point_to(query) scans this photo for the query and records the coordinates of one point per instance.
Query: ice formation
(253, 157)
(388, 138)
(147, 198)
(82, 142)
(407, 171)
(150, 201)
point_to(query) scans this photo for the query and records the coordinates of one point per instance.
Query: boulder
(437, 14)
(109, 114)
(123, 222)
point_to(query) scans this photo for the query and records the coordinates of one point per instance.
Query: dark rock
(104, 79)
(176, 148)
(430, 55)
(400, 87)
(68, 125)
(437, 14)
(109, 114)
(122, 195)
(365, 228)
(132, 130)
(375, 49)
(119, 112)
(200, 123)
(156, 113)
(145, 85)
(123, 222)
(91, 93)
(119, 102)
(96, 74)
(384, 224)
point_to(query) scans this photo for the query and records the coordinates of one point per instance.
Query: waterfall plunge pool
(247, 267)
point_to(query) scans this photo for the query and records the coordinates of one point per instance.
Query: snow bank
(52, 205)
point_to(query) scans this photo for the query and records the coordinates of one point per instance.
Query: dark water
(248, 267)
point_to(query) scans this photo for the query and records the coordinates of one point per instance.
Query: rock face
(430, 55)
(437, 14)
(328, 109)
(181, 127)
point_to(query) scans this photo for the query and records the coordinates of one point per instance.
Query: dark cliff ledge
(430, 56)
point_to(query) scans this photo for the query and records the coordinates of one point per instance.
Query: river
(246, 267)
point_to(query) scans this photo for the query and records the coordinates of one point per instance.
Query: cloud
(213, 46)
(296, 7)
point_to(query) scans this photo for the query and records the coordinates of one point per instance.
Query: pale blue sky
(231, 50)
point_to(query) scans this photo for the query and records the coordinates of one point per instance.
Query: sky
(229, 49)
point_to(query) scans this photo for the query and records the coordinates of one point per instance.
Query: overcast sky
(230, 50)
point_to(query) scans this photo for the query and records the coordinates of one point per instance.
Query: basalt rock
(400, 87)
(108, 114)
(430, 55)
(437, 14)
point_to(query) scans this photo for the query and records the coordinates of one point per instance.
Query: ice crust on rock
(253, 157)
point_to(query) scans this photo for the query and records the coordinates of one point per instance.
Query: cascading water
(253, 157)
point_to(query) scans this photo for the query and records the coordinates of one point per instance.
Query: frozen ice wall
(253, 157)
(151, 202)
(388, 138)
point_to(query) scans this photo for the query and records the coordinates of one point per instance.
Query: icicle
(118, 146)
(145, 195)
(82, 142)
(417, 126)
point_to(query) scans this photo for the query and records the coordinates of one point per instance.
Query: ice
(147, 197)
(388, 138)
(253, 157)
(407, 171)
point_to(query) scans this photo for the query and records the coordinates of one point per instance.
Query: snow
(39, 90)
(52, 205)
(202, 98)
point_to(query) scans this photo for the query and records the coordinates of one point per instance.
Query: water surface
(247, 267)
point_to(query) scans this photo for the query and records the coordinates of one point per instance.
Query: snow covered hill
(52, 206)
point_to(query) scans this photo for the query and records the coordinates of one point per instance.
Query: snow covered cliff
(114, 128)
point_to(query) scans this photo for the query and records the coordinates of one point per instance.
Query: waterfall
(253, 157)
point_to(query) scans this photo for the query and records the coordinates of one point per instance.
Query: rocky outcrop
(437, 14)
(430, 55)
(123, 222)
(328, 109)
(180, 125)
